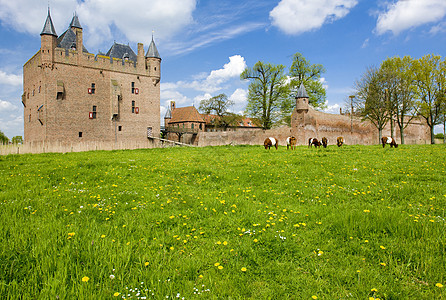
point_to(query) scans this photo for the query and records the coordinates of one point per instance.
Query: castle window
(193, 125)
(119, 128)
(133, 87)
(201, 127)
(94, 112)
(80, 133)
(29, 118)
(133, 107)
(93, 88)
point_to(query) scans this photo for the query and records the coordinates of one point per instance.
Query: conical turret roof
(75, 22)
(302, 93)
(48, 28)
(153, 52)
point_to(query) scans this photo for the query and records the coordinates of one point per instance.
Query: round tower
(48, 41)
(153, 62)
(302, 103)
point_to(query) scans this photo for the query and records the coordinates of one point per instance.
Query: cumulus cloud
(403, 15)
(298, 16)
(7, 106)
(332, 109)
(134, 18)
(10, 79)
(239, 96)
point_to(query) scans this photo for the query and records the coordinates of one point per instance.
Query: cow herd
(291, 142)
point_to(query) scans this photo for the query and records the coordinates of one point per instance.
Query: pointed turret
(48, 28)
(75, 22)
(48, 40)
(152, 51)
(153, 62)
(302, 92)
(302, 99)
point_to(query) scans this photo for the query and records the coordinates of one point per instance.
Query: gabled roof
(68, 39)
(75, 22)
(186, 114)
(152, 51)
(302, 93)
(121, 51)
(48, 28)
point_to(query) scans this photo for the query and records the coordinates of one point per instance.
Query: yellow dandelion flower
(201, 276)
(243, 269)
(218, 243)
(374, 290)
(103, 236)
(85, 279)
(71, 233)
(216, 264)
(382, 247)
(439, 285)
(116, 294)
(146, 264)
(383, 264)
(225, 243)
(256, 240)
(313, 297)
(220, 267)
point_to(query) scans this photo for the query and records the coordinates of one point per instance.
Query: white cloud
(134, 18)
(7, 106)
(298, 16)
(365, 44)
(239, 96)
(10, 79)
(407, 14)
(332, 109)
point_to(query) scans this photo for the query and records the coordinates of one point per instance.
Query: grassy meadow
(356, 222)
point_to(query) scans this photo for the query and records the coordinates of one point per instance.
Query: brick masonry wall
(63, 119)
(315, 124)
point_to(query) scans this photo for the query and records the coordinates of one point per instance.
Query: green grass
(337, 223)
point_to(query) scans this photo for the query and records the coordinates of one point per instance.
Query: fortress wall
(315, 124)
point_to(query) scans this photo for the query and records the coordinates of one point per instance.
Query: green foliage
(224, 222)
(302, 71)
(439, 136)
(217, 105)
(267, 92)
(17, 139)
(430, 87)
(3, 138)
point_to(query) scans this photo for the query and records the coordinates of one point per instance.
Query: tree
(430, 87)
(267, 92)
(301, 71)
(218, 105)
(397, 79)
(3, 138)
(371, 96)
(17, 139)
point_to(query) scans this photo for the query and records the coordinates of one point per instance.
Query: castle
(74, 96)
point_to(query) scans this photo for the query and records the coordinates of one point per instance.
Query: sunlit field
(356, 222)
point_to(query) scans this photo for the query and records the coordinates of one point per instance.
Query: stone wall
(315, 124)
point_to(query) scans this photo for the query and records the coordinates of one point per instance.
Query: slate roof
(302, 92)
(120, 50)
(75, 22)
(48, 28)
(152, 51)
(67, 39)
(186, 114)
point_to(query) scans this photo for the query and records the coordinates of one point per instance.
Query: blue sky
(206, 44)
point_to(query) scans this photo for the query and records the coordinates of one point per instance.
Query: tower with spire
(72, 95)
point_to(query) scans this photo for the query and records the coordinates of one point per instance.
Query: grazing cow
(324, 142)
(291, 142)
(270, 142)
(340, 141)
(388, 140)
(313, 141)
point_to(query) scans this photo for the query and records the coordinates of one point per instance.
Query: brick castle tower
(72, 95)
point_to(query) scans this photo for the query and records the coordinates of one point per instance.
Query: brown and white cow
(291, 142)
(340, 141)
(388, 140)
(269, 142)
(313, 141)
(324, 142)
